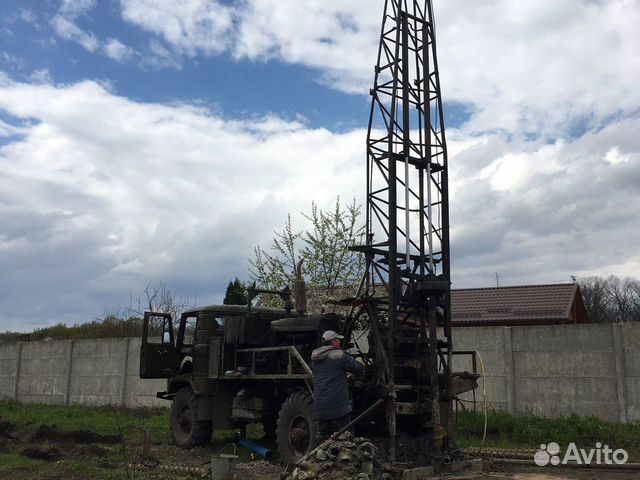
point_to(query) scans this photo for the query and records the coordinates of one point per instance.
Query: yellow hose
(485, 407)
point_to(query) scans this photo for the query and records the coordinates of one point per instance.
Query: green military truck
(228, 366)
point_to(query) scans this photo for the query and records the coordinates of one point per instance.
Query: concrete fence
(551, 370)
(548, 370)
(65, 372)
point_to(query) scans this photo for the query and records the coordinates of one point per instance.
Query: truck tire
(296, 428)
(186, 430)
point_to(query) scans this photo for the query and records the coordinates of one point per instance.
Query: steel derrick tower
(407, 281)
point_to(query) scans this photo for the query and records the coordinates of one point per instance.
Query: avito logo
(550, 454)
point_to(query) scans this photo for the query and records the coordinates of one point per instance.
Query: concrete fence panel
(44, 372)
(96, 371)
(9, 355)
(591, 369)
(630, 360)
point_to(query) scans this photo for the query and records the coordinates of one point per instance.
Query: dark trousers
(326, 428)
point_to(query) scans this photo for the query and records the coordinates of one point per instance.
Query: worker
(331, 400)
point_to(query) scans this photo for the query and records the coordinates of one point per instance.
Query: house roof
(522, 305)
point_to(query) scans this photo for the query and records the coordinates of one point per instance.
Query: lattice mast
(407, 214)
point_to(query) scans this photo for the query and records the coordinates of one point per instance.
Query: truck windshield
(190, 329)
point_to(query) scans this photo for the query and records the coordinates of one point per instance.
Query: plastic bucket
(223, 465)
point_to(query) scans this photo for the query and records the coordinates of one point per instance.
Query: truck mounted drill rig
(233, 365)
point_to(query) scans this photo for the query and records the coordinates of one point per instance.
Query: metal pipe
(406, 136)
(363, 415)
(357, 419)
(259, 449)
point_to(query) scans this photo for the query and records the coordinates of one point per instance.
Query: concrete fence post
(67, 390)
(18, 362)
(621, 371)
(509, 370)
(125, 367)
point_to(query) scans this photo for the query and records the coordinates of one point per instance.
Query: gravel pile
(348, 458)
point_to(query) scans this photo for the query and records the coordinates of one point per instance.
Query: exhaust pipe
(299, 289)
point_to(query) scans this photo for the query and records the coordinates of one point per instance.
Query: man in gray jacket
(331, 401)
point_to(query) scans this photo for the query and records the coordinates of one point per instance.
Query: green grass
(529, 431)
(81, 463)
(16, 464)
(106, 421)
(504, 431)
(102, 420)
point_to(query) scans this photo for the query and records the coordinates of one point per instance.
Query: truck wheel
(186, 430)
(296, 430)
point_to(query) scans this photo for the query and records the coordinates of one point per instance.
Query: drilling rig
(234, 365)
(406, 291)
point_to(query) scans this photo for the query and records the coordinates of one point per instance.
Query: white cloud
(28, 16)
(614, 156)
(338, 38)
(6, 129)
(13, 61)
(118, 51)
(161, 57)
(65, 24)
(534, 67)
(190, 26)
(75, 8)
(543, 66)
(539, 213)
(41, 76)
(101, 194)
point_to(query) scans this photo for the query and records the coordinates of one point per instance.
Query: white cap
(330, 335)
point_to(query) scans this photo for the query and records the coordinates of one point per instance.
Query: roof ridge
(516, 286)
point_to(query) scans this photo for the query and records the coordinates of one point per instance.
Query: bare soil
(510, 472)
(48, 434)
(110, 458)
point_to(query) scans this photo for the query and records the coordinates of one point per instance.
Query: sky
(161, 141)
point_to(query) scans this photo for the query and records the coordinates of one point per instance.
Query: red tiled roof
(523, 305)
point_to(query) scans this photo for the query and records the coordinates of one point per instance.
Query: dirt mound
(46, 433)
(409, 449)
(91, 450)
(6, 429)
(51, 434)
(49, 453)
(258, 470)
